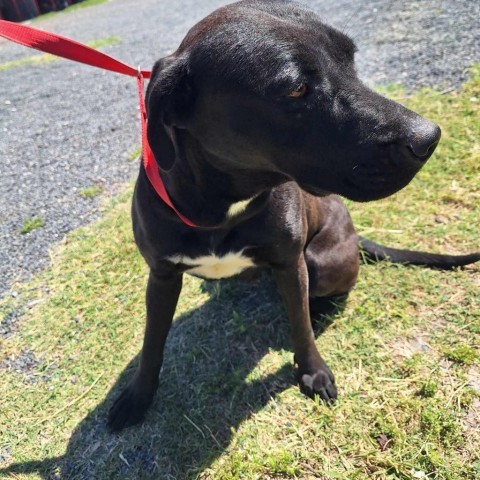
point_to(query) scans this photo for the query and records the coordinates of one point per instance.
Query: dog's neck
(211, 192)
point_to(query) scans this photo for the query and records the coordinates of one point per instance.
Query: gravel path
(65, 127)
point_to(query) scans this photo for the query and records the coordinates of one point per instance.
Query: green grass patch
(461, 354)
(84, 4)
(91, 192)
(134, 154)
(105, 42)
(47, 58)
(403, 351)
(70, 9)
(32, 224)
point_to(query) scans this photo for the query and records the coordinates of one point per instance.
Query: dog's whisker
(345, 28)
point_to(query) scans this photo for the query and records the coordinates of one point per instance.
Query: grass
(91, 192)
(404, 351)
(134, 154)
(32, 224)
(47, 58)
(70, 9)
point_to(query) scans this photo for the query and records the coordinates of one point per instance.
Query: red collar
(72, 50)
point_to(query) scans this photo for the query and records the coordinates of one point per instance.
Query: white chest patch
(239, 207)
(213, 267)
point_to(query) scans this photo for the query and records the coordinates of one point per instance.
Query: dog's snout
(423, 138)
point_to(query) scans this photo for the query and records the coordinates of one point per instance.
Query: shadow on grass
(205, 392)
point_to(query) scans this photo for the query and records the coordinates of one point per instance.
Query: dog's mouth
(367, 184)
(371, 184)
(373, 191)
(388, 173)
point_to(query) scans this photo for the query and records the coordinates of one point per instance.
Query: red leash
(72, 50)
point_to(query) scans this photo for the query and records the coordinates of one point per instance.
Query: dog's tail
(373, 252)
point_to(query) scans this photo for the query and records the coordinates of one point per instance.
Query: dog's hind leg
(332, 266)
(333, 263)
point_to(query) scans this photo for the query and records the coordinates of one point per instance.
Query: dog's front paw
(128, 409)
(321, 383)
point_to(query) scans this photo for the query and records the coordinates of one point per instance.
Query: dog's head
(265, 86)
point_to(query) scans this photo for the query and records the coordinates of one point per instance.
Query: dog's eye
(299, 92)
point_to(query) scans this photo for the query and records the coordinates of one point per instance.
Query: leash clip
(139, 72)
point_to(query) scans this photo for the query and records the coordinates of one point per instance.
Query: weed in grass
(428, 388)
(281, 462)
(440, 424)
(462, 354)
(410, 366)
(467, 397)
(91, 192)
(32, 224)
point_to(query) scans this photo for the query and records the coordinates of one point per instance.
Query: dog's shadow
(205, 391)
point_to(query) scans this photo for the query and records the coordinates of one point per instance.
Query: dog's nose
(424, 137)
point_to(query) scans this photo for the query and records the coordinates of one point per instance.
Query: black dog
(254, 121)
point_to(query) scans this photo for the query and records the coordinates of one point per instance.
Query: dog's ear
(169, 100)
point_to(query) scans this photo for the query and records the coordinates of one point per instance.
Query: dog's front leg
(314, 376)
(131, 405)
